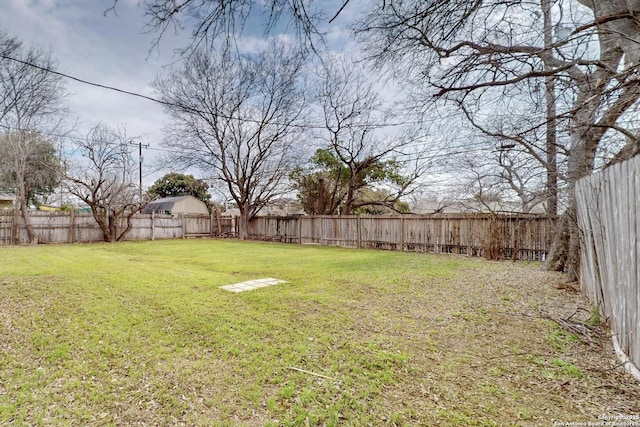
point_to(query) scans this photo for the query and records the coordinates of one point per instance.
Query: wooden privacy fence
(609, 222)
(6, 228)
(70, 227)
(523, 237)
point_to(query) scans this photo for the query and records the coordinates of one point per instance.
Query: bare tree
(500, 180)
(510, 156)
(525, 179)
(357, 156)
(31, 102)
(8, 46)
(102, 180)
(237, 118)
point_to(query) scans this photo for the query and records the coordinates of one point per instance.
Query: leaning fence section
(608, 207)
(72, 227)
(522, 237)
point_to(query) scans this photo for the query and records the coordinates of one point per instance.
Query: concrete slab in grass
(252, 284)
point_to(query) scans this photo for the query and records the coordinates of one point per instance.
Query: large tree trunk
(16, 226)
(551, 129)
(129, 225)
(564, 254)
(243, 225)
(113, 226)
(103, 222)
(24, 212)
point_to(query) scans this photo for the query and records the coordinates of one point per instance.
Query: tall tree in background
(329, 186)
(357, 165)
(102, 180)
(504, 180)
(40, 168)
(30, 102)
(177, 184)
(236, 117)
(357, 155)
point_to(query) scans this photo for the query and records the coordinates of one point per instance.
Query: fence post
(115, 220)
(234, 225)
(469, 233)
(71, 225)
(300, 229)
(359, 231)
(153, 225)
(184, 226)
(402, 233)
(265, 223)
(16, 227)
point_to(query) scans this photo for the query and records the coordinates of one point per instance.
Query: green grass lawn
(140, 334)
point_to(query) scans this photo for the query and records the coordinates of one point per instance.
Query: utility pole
(550, 97)
(140, 145)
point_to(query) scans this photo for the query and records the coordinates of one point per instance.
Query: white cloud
(110, 50)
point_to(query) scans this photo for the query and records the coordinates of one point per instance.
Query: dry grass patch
(141, 334)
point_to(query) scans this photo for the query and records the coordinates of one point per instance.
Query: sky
(112, 48)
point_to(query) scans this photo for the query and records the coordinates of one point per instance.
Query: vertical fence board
(608, 207)
(632, 273)
(635, 297)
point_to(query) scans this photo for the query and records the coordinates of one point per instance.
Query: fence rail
(608, 207)
(524, 237)
(70, 227)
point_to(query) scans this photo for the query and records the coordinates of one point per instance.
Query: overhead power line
(171, 104)
(79, 80)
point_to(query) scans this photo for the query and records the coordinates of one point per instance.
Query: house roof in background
(166, 204)
(162, 205)
(454, 207)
